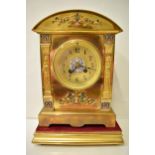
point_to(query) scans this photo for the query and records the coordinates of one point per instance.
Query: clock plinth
(77, 118)
(77, 59)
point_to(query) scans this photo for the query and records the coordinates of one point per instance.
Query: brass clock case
(77, 58)
(77, 64)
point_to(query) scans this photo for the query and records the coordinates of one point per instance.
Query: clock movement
(77, 57)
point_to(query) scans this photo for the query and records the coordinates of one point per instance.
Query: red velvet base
(86, 128)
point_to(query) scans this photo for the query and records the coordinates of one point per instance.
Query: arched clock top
(75, 22)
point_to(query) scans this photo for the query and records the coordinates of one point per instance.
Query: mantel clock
(77, 57)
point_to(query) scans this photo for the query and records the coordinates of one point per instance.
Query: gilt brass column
(45, 67)
(106, 96)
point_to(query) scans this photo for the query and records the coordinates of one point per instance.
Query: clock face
(77, 64)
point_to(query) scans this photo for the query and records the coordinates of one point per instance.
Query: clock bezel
(96, 53)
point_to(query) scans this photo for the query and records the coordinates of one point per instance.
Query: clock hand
(72, 70)
(78, 66)
(85, 68)
(90, 68)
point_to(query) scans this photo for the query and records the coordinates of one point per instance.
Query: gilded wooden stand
(72, 136)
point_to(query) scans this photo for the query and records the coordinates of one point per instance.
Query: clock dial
(77, 64)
